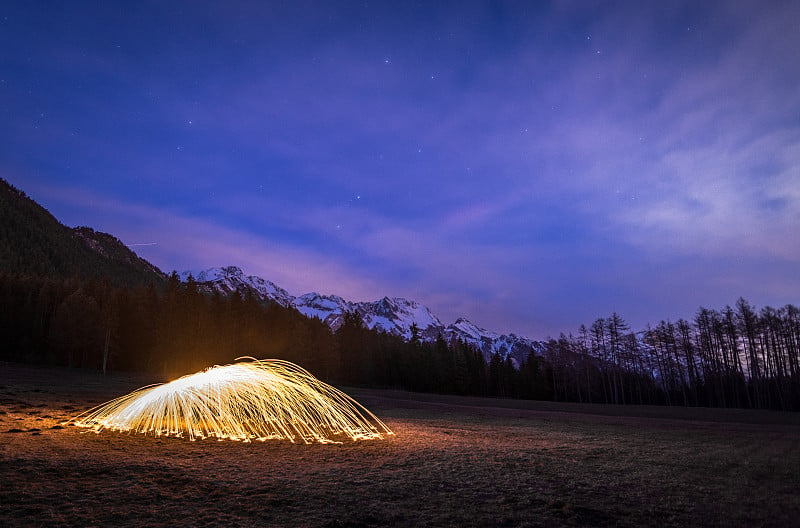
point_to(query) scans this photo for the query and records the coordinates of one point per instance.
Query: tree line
(735, 357)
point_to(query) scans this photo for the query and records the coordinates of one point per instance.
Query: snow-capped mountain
(516, 347)
(393, 315)
(329, 309)
(230, 278)
(396, 315)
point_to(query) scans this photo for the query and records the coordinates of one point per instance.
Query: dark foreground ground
(454, 462)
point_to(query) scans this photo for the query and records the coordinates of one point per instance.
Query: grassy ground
(454, 462)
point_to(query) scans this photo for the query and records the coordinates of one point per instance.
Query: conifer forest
(736, 356)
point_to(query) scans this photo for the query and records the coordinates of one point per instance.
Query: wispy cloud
(526, 170)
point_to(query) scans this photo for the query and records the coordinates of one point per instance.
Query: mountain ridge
(34, 242)
(394, 315)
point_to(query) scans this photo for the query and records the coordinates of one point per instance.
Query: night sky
(529, 165)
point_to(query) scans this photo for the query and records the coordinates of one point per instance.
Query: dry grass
(454, 462)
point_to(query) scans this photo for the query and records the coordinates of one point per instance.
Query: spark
(250, 400)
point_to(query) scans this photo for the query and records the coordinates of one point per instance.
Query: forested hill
(33, 242)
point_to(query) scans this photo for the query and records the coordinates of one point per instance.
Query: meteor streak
(250, 400)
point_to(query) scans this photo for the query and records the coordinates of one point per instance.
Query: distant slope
(33, 242)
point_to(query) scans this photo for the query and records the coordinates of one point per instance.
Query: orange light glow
(249, 400)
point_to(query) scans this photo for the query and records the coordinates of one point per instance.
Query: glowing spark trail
(252, 400)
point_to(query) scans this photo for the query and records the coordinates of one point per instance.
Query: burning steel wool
(249, 400)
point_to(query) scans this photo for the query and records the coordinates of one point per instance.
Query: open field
(454, 462)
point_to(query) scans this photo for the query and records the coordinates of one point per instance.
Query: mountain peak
(233, 271)
(228, 279)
